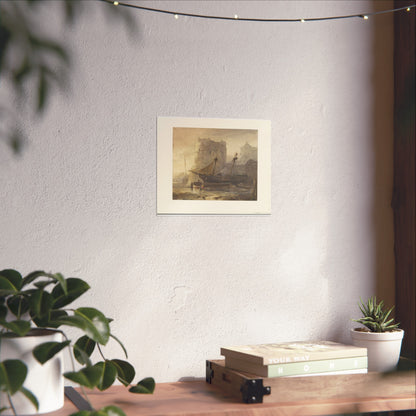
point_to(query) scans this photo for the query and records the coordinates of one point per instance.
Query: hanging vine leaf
(88, 376)
(98, 328)
(29, 395)
(145, 386)
(108, 374)
(83, 349)
(125, 371)
(12, 375)
(47, 350)
(91, 321)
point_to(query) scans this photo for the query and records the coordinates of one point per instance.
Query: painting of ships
(211, 178)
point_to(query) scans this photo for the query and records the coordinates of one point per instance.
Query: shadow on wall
(361, 232)
(382, 142)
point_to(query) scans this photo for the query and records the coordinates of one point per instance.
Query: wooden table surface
(198, 398)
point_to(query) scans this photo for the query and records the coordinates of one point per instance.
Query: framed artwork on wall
(213, 166)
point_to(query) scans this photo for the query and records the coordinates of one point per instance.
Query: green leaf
(125, 371)
(30, 396)
(43, 89)
(98, 328)
(43, 284)
(45, 351)
(75, 288)
(12, 375)
(31, 277)
(18, 305)
(54, 277)
(13, 276)
(62, 281)
(145, 386)
(52, 46)
(20, 73)
(55, 316)
(105, 411)
(40, 304)
(83, 349)
(75, 321)
(83, 413)
(110, 411)
(89, 320)
(6, 287)
(108, 374)
(18, 327)
(88, 376)
(3, 312)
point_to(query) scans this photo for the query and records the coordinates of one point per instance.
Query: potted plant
(34, 310)
(380, 335)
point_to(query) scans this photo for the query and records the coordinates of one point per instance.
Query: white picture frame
(214, 177)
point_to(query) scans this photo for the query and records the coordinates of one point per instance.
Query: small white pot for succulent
(383, 348)
(44, 381)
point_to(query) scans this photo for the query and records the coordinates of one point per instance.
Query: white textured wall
(82, 198)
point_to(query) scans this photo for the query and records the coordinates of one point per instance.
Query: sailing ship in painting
(212, 177)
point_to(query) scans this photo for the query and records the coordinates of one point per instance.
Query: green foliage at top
(33, 60)
(42, 300)
(375, 317)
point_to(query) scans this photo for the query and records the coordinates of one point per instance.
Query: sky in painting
(185, 141)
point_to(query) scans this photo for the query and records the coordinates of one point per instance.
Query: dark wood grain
(403, 202)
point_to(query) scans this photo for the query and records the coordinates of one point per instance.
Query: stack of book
(296, 359)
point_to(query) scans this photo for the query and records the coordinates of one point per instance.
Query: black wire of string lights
(364, 16)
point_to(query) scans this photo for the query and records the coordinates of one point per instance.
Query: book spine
(260, 358)
(313, 367)
(309, 367)
(333, 373)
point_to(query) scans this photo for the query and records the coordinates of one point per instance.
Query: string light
(249, 19)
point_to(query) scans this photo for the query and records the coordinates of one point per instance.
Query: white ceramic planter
(383, 348)
(44, 381)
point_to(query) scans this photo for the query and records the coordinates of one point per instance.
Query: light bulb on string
(249, 19)
(176, 17)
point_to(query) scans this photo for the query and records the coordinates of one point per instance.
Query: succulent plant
(375, 318)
